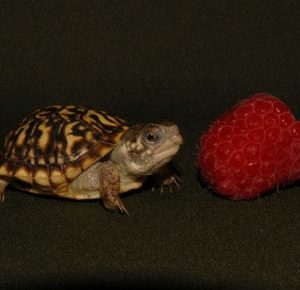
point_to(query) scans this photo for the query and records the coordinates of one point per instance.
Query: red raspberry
(251, 149)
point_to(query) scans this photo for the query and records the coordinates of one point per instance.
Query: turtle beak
(177, 138)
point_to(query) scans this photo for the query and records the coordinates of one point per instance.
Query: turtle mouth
(157, 160)
(177, 139)
(168, 152)
(164, 156)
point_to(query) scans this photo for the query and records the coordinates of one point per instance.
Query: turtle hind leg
(3, 184)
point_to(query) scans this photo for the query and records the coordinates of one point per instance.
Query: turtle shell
(55, 144)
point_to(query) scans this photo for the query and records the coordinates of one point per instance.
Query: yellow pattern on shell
(41, 177)
(44, 140)
(55, 144)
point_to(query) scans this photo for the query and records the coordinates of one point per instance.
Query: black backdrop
(187, 61)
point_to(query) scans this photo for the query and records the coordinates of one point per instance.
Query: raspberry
(252, 149)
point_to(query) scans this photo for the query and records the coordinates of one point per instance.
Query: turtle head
(144, 149)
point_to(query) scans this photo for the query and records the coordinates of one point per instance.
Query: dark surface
(187, 61)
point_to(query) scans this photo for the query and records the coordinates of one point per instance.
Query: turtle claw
(2, 197)
(115, 203)
(169, 183)
(122, 208)
(174, 180)
(3, 184)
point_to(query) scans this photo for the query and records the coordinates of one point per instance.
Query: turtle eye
(153, 136)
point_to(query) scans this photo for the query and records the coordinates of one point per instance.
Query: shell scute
(55, 144)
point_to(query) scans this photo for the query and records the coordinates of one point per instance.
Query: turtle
(79, 153)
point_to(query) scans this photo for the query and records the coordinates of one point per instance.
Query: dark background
(187, 61)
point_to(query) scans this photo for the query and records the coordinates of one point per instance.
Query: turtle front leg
(110, 188)
(167, 177)
(3, 184)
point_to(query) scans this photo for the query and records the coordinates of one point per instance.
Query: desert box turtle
(82, 153)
